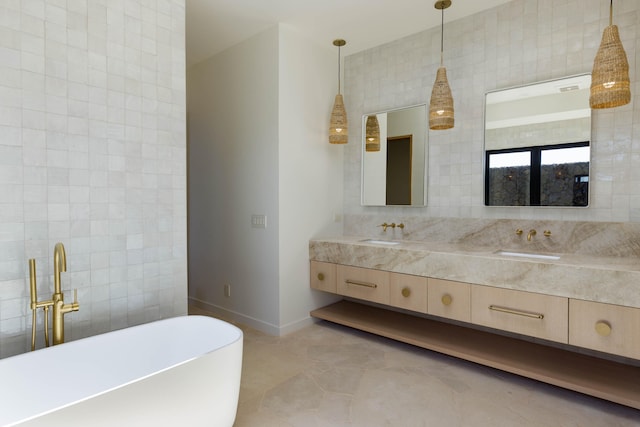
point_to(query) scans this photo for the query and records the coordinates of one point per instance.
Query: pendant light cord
(339, 69)
(611, 13)
(442, 36)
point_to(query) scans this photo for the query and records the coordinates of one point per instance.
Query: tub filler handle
(35, 305)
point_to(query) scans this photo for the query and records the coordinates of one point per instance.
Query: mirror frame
(425, 159)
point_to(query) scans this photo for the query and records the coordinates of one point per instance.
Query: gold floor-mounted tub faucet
(56, 301)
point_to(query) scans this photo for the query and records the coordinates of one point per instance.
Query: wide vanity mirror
(537, 141)
(394, 157)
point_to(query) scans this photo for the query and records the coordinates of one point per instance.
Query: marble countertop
(613, 280)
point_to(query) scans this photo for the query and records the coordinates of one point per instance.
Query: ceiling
(215, 25)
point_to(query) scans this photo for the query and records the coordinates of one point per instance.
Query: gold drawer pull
(406, 292)
(446, 299)
(603, 328)
(357, 283)
(320, 276)
(516, 312)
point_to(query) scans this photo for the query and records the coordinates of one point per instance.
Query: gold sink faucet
(384, 225)
(532, 233)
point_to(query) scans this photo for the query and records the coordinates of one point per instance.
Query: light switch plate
(258, 221)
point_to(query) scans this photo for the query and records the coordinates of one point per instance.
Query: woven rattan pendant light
(372, 134)
(441, 104)
(338, 128)
(610, 86)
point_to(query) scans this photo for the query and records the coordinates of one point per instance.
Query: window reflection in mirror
(538, 176)
(509, 176)
(394, 174)
(537, 144)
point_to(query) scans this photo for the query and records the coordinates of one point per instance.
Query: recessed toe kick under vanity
(588, 346)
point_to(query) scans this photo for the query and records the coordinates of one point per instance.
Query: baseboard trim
(260, 325)
(297, 325)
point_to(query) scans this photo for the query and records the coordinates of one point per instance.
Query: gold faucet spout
(532, 233)
(59, 264)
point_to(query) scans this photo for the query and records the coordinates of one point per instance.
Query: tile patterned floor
(329, 375)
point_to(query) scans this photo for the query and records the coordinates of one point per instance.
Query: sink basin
(380, 242)
(527, 255)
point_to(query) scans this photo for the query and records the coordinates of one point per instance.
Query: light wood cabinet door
(408, 292)
(363, 283)
(323, 276)
(449, 299)
(605, 327)
(536, 315)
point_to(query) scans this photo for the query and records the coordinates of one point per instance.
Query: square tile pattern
(92, 154)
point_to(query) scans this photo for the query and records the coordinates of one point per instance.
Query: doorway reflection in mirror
(394, 173)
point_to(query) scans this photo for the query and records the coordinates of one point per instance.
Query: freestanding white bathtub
(183, 371)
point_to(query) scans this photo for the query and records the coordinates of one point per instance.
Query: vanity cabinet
(449, 299)
(526, 313)
(363, 283)
(590, 325)
(605, 327)
(597, 326)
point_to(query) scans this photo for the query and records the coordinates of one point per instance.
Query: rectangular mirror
(537, 144)
(394, 157)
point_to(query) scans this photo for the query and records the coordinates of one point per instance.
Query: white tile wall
(92, 154)
(520, 42)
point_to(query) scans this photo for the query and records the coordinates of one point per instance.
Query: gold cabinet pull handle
(406, 292)
(320, 276)
(516, 312)
(446, 299)
(603, 328)
(358, 283)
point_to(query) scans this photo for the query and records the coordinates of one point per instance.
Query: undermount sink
(527, 255)
(380, 242)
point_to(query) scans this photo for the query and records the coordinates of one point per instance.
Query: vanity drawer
(605, 327)
(536, 315)
(408, 292)
(363, 283)
(323, 276)
(449, 299)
